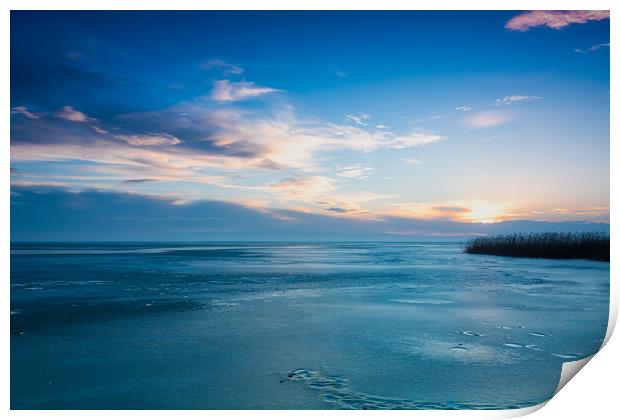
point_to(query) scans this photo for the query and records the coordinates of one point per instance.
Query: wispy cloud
(360, 172)
(99, 130)
(431, 118)
(513, 99)
(68, 113)
(352, 204)
(340, 210)
(415, 139)
(28, 183)
(412, 162)
(288, 141)
(218, 149)
(360, 119)
(286, 144)
(554, 19)
(600, 214)
(304, 188)
(138, 180)
(463, 108)
(22, 110)
(227, 91)
(487, 119)
(592, 48)
(161, 139)
(226, 68)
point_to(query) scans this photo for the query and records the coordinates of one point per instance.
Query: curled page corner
(569, 370)
(613, 317)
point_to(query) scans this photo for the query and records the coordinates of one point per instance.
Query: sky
(307, 125)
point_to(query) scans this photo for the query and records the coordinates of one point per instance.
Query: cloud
(487, 119)
(431, 118)
(120, 216)
(229, 151)
(317, 194)
(509, 100)
(118, 161)
(22, 110)
(554, 19)
(99, 130)
(450, 211)
(68, 113)
(429, 210)
(224, 66)
(360, 172)
(27, 183)
(161, 139)
(412, 162)
(554, 214)
(138, 180)
(339, 210)
(592, 48)
(463, 108)
(359, 118)
(303, 188)
(288, 141)
(227, 91)
(340, 73)
(414, 139)
(219, 147)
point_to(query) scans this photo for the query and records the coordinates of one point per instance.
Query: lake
(359, 325)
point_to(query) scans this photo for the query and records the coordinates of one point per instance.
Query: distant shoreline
(568, 245)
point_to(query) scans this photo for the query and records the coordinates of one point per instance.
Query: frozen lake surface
(295, 326)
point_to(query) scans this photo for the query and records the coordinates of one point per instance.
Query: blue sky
(376, 124)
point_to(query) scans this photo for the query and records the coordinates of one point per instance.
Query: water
(295, 326)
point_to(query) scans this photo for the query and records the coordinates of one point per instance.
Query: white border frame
(592, 394)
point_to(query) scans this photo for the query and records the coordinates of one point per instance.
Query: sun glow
(458, 210)
(485, 213)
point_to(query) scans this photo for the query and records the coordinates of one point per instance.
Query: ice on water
(307, 325)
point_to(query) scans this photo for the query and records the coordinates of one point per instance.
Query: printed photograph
(293, 210)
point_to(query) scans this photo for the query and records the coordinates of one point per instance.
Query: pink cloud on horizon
(555, 19)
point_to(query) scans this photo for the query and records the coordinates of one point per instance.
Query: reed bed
(564, 245)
